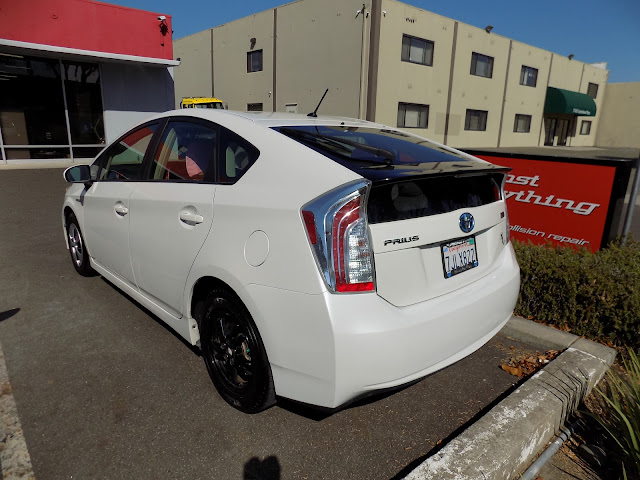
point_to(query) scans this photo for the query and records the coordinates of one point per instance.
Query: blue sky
(593, 30)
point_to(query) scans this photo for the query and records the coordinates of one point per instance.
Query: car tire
(77, 248)
(233, 352)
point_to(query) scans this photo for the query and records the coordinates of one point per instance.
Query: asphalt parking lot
(104, 390)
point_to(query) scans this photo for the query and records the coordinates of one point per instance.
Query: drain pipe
(531, 473)
(632, 202)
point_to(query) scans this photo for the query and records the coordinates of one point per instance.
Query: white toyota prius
(315, 258)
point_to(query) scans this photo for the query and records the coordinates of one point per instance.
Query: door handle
(120, 209)
(191, 218)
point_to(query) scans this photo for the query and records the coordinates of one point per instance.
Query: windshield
(369, 145)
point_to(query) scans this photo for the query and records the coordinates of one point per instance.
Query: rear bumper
(380, 346)
(345, 346)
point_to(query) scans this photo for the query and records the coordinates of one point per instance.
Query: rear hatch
(437, 217)
(433, 235)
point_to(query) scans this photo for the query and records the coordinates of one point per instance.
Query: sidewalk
(502, 444)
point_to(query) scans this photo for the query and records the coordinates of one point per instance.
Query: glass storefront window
(31, 102)
(84, 102)
(35, 111)
(51, 153)
(86, 152)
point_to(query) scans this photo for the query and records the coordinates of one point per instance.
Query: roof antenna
(314, 114)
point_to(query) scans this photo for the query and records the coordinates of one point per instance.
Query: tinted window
(417, 50)
(413, 115)
(528, 76)
(254, 61)
(403, 200)
(481, 65)
(369, 146)
(185, 152)
(123, 160)
(476, 120)
(237, 155)
(522, 123)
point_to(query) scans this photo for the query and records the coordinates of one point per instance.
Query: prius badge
(467, 222)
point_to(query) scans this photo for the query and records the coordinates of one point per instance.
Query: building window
(592, 90)
(522, 123)
(417, 50)
(585, 127)
(481, 65)
(528, 76)
(413, 115)
(254, 61)
(476, 120)
(254, 107)
(50, 108)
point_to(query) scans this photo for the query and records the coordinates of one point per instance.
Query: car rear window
(368, 145)
(423, 197)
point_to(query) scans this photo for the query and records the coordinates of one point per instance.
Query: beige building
(396, 64)
(620, 120)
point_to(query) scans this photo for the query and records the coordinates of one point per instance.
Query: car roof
(271, 119)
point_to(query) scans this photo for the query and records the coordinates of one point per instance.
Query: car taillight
(506, 212)
(336, 225)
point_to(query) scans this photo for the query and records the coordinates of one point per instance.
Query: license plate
(459, 256)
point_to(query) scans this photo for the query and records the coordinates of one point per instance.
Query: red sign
(558, 202)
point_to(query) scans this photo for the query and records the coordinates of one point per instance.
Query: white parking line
(14, 456)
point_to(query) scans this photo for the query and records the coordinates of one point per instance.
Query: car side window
(123, 160)
(237, 155)
(185, 152)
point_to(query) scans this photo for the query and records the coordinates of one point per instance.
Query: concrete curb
(503, 442)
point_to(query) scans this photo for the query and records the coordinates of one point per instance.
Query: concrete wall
(522, 99)
(474, 92)
(620, 119)
(598, 76)
(399, 81)
(193, 75)
(310, 45)
(319, 46)
(231, 42)
(132, 93)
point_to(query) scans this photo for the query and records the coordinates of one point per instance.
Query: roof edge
(37, 47)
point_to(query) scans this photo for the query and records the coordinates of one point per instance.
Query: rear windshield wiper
(340, 144)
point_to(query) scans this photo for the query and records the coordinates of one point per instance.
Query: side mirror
(78, 174)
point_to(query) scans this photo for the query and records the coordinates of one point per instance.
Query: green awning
(566, 101)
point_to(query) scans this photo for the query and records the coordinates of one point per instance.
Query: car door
(106, 204)
(172, 211)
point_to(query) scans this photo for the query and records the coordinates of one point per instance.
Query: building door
(550, 130)
(557, 130)
(562, 131)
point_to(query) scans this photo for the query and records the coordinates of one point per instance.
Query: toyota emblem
(467, 222)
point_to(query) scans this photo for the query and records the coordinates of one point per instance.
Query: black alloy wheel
(233, 353)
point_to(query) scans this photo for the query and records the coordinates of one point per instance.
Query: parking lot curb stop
(503, 442)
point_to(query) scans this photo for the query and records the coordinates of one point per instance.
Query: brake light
(336, 225)
(310, 223)
(506, 212)
(506, 222)
(351, 254)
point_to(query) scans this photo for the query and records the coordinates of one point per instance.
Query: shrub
(621, 413)
(596, 295)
